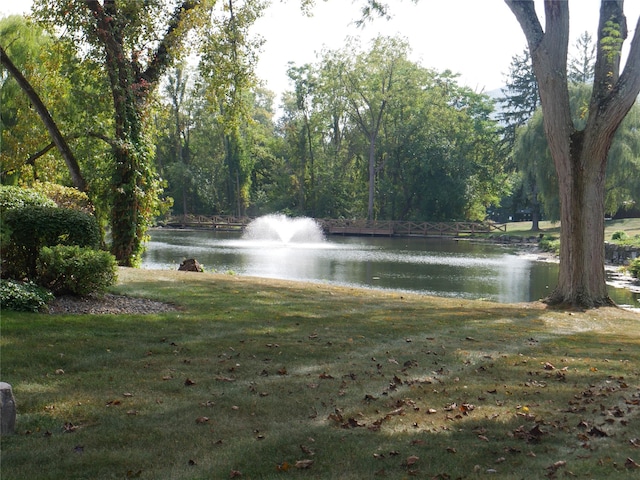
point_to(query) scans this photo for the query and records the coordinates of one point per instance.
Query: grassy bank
(260, 379)
(631, 226)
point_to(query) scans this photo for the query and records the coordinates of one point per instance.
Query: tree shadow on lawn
(253, 378)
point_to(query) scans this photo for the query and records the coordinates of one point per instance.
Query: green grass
(631, 226)
(366, 384)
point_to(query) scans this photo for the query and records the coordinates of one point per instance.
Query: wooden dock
(387, 228)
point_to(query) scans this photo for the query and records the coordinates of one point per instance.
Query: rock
(190, 265)
(7, 410)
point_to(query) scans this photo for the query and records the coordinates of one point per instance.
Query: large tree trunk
(580, 157)
(52, 127)
(581, 281)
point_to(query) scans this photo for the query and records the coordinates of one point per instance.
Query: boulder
(7, 410)
(190, 265)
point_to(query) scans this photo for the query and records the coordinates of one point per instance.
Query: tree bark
(580, 156)
(50, 124)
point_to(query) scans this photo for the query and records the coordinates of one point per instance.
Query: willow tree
(135, 42)
(580, 154)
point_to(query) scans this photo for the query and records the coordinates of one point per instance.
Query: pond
(442, 267)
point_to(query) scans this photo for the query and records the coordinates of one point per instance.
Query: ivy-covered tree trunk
(580, 156)
(133, 181)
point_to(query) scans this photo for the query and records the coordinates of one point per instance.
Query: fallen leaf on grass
(554, 467)
(69, 427)
(307, 450)
(202, 419)
(412, 460)
(353, 423)
(303, 464)
(283, 467)
(631, 463)
(597, 432)
(533, 435)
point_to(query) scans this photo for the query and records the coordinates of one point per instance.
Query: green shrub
(619, 235)
(75, 270)
(23, 297)
(17, 197)
(634, 268)
(65, 197)
(34, 227)
(549, 243)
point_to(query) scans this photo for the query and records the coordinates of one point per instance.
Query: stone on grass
(7, 410)
(190, 265)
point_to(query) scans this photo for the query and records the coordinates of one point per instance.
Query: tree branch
(45, 116)
(162, 57)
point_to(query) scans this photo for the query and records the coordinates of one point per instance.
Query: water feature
(280, 228)
(442, 267)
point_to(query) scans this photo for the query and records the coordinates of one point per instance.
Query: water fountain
(283, 229)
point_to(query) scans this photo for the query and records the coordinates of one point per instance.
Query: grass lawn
(263, 379)
(631, 226)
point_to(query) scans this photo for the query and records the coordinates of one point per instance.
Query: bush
(549, 243)
(65, 197)
(634, 268)
(76, 270)
(34, 227)
(17, 197)
(619, 235)
(23, 297)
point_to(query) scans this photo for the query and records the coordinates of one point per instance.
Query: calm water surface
(431, 266)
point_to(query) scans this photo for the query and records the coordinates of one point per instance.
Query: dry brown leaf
(556, 465)
(631, 463)
(306, 450)
(303, 464)
(412, 460)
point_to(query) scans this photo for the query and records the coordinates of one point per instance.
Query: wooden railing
(348, 227)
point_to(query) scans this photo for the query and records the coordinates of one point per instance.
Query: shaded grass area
(260, 379)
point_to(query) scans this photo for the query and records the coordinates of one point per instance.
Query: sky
(474, 38)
